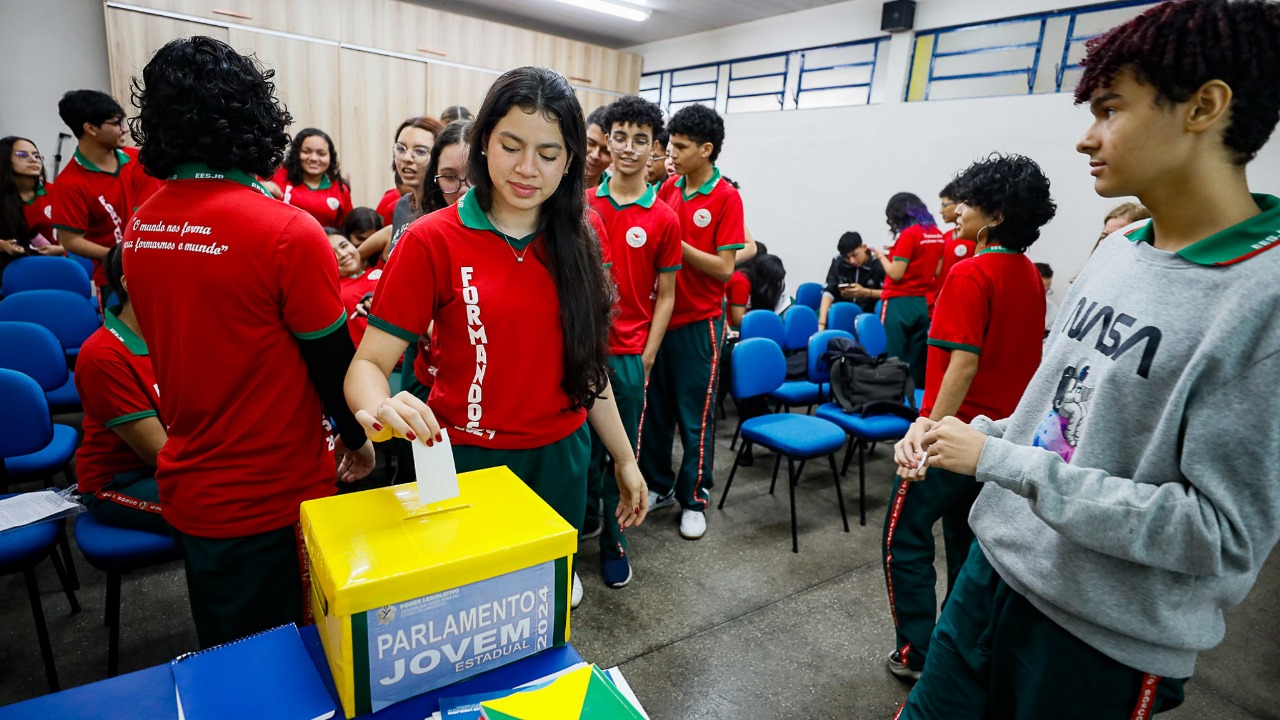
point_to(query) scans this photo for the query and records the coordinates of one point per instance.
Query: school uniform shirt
(710, 221)
(497, 323)
(953, 252)
(223, 278)
(642, 240)
(38, 212)
(992, 306)
(737, 292)
(920, 247)
(353, 290)
(99, 204)
(328, 203)
(387, 205)
(117, 386)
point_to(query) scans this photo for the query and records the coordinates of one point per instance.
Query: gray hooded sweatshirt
(1135, 492)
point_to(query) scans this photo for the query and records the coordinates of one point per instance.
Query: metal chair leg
(113, 623)
(42, 630)
(831, 457)
(791, 485)
(736, 431)
(862, 487)
(848, 455)
(800, 471)
(68, 562)
(65, 581)
(727, 483)
(777, 461)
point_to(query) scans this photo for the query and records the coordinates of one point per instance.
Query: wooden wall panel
(307, 79)
(314, 18)
(133, 38)
(379, 93)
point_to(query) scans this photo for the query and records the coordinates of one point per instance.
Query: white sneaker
(657, 502)
(693, 524)
(576, 598)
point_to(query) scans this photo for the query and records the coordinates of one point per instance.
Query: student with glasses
(409, 154)
(25, 202)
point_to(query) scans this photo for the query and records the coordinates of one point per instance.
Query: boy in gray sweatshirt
(1131, 497)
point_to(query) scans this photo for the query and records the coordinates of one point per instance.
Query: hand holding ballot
(402, 416)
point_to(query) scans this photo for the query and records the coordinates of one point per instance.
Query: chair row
(810, 295)
(69, 273)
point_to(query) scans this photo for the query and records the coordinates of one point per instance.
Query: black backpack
(867, 385)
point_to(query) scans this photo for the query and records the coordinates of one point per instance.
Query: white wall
(51, 46)
(809, 175)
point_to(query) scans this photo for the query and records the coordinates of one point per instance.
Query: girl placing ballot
(513, 279)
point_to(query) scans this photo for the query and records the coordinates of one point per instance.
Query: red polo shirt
(39, 212)
(387, 205)
(643, 240)
(99, 204)
(710, 221)
(738, 290)
(992, 305)
(328, 203)
(921, 248)
(224, 280)
(116, 386)
(353, 289)
(497, 326)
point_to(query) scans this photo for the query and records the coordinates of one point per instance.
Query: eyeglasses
(658, 157)
(638, 142)
(419, 152)
(451, 183)
(24, 155)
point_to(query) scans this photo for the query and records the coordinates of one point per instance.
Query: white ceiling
(669, 18)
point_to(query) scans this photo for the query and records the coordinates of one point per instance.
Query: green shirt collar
(1235, 244)
(200, 171)
(122, 159)
(645, 201)
(39, 193)
(132, 343)
(325, 183)
(473, 216)
(706, 187)
(997, 249)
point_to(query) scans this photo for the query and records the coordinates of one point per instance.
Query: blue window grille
(1010, 56)
(824, 76)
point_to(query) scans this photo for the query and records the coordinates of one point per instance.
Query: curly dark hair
(597, 118)
(636, 111)
(906, 209)
(1178, 46)
(948, 191)
(1013, 187)
(293, 161)
(78, 107)
(201, 101)
(572, 251)
(700, 124)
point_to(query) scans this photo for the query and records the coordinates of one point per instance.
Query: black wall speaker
(898, 15)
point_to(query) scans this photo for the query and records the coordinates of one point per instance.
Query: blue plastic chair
(809, 295)
(759, 367)
(85, 264)
(800, 323)
(763, 324)
(870, 334)
(31, 445)
(861, 430)
(842, 316)
(35, 352)
(116, 551)
(21, 550)
(46, 273)
(878, 308)
(65, 314)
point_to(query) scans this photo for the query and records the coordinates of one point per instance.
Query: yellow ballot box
(409, 599)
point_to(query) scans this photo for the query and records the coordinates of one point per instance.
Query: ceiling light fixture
(609, 8)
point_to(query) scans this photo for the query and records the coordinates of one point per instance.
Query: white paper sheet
(437, 475)
(31, 507)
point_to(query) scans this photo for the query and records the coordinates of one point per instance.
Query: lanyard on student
(200, 171)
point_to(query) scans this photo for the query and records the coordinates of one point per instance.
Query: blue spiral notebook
(267, 675)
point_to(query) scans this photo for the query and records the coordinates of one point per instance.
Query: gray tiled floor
(731, 626)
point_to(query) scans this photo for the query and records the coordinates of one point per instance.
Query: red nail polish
(411, 436)
(439, 438)
(377, 427)
(637, 511)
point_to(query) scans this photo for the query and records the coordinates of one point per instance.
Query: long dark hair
(768, 279)
(13, 223)
(452, 134)
(572, 252)
(293, 161)
(905, 210)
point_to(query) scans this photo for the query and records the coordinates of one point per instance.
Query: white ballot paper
(31, 507)
(437, 475)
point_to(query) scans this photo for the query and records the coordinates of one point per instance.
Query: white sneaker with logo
(576, 598)
(693, 524)
(657, 502)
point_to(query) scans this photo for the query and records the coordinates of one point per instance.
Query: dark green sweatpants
(906, 328)
(129, 500)
(626, 377)
(682, 393)
(914, 508)
(556, 472)
(994, 655)
(240, 586)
